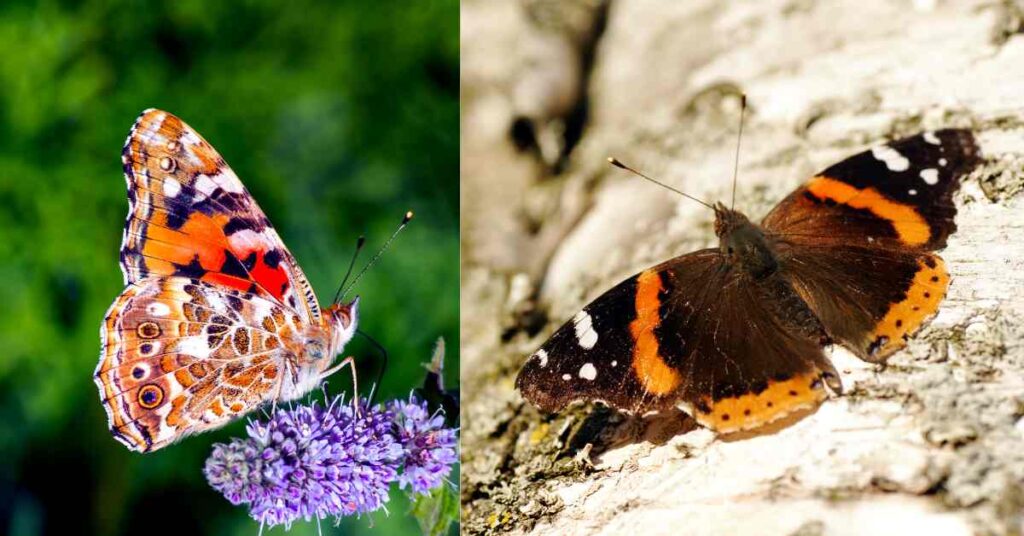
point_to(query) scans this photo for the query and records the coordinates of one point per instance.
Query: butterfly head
(342, 318)
(744, 243)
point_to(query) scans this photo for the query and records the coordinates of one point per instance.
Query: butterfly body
(734, 335)
(216, 318)
(316, 348)
(744, 244)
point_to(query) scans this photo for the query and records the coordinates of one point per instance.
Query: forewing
(181, 356)
(855, 240)
(190, 216)
(896, 195)
(693, 333)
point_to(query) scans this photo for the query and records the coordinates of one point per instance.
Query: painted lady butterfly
(217, 316)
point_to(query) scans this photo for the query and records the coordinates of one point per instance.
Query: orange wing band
(653, 373)
(910, 226)
(752, 410)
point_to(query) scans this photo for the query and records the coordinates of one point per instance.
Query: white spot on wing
(190, 137)
(171, 187)
(912, 191)
(891, 157)
(615, 363)
(215, 302)
(229, 181)
(158, 309)
(585, 333)
(194, 346)
(261, 308)
(247, 239)
(588, 372)
(566, 377)
(930, 176)
(943, 162)
(931, 138)
(542, 356)
(205, 186)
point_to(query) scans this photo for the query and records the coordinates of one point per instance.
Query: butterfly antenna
(383, 366)
(360, 242)
(736, 162)
(405, 221)
(615, 162)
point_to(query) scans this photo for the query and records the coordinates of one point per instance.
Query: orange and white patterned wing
(181, 356)
(217, 315)
(190, 216)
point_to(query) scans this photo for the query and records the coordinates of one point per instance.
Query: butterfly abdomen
(792, 310)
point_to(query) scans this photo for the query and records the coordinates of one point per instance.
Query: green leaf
(437, 511)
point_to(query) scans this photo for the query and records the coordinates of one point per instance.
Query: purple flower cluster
(315, 462)
(429, 445)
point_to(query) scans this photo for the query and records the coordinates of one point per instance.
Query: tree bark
(931, 443)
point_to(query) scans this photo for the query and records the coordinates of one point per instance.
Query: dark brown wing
(855, 241)
(692, 332)
(869, 300)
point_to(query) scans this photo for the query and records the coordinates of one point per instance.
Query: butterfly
(216, 317)
(734, 335)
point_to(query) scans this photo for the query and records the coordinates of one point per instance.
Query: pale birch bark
(933, 443)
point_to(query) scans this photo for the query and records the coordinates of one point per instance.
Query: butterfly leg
(351, 363)
(280, 388)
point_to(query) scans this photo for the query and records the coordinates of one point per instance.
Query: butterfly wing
(205, 330)
(856, 240)
(181, 356)
(694, 333)
(190, 216)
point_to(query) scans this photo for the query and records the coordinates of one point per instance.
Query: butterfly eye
(344, 318)
(730, 250)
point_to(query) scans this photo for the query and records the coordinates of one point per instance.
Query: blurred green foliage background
(338, 116)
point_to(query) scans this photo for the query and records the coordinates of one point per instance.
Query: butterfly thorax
(316, 348)
(743, 243)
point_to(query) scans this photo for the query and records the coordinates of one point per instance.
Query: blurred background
(337, 116)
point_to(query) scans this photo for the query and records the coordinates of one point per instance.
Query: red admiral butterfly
(734, 335)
